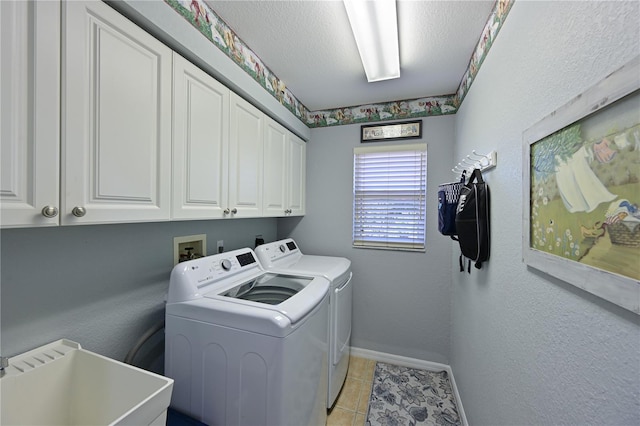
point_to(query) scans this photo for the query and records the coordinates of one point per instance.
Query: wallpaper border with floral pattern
(201, 16)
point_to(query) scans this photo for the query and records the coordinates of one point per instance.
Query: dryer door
(342, 320)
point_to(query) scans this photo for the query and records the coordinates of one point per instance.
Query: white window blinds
(389, 196)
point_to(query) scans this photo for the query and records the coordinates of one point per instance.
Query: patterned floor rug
(402, 396)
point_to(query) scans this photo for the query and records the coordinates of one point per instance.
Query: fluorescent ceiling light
(375, 27)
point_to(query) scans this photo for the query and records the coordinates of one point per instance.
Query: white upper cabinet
(116, 117)
(200, 143)
(245, 158)
(102, 123)
(284, 171)
(275, 169)
(297, 169)
(29, 113)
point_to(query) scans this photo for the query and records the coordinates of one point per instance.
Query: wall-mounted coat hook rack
(476, 161)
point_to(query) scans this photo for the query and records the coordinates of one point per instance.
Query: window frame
(420, 196)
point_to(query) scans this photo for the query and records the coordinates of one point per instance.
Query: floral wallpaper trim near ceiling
(411, 108)
(491, 29)
(201, 16)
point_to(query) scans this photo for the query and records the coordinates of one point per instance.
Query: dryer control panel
(277, 251)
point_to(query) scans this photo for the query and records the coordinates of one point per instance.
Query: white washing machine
(284, 256)
(246, 346)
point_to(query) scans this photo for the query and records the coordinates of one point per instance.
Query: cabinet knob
(49, 211)
(226, 211)
(234, 211)
(79, 211)
(287, 211)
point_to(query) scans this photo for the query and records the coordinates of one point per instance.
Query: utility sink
(63, 384)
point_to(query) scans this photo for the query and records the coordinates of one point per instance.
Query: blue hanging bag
(448, 196)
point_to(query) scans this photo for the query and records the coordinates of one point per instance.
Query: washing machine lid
(270, 288)
(277, 320)
(291, 296)
(228, 289)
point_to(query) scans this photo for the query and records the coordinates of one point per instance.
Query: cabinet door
(116, 139)
(297, 163)
(275, 169)
(200, 143)
(29, 113)
(245, 158)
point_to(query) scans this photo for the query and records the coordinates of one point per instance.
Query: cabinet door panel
(200, 143)
(29, 112)
(245, 158)
(297, 179)
(117, 118)
(124, 119)
(275, 171)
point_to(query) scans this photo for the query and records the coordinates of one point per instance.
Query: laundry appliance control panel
(277, 251)
(188, 278)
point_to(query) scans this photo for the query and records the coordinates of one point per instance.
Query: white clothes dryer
(246, 346)
(284, 256)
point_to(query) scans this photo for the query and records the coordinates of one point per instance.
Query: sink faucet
(4, 363)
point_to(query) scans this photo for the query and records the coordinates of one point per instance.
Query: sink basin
(63, 384)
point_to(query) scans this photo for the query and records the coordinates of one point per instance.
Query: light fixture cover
(375, 27)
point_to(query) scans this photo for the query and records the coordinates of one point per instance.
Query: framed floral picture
(581, 194)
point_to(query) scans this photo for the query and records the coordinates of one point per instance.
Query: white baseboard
(414, 363)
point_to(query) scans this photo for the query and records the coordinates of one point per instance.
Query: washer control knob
(282, 248)
(226, 264)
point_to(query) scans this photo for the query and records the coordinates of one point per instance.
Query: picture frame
(392, 131)
(581, 190)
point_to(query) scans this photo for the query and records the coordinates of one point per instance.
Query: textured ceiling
(309, 46)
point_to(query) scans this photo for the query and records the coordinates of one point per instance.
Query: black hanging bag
(448, 195)
(472, 221)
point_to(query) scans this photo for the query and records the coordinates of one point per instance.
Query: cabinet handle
(287, 211)
(234, 211)
(226, 211)
(78, 211)
(49, 211)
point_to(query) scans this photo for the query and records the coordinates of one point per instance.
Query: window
(389, 196)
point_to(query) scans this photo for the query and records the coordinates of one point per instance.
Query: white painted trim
(414, 363)
(399, 360)
(454, 387)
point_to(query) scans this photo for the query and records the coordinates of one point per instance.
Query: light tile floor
(350, 408)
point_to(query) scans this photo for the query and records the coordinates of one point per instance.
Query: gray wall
(102, 286)
(401, 302)
(527, 348)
